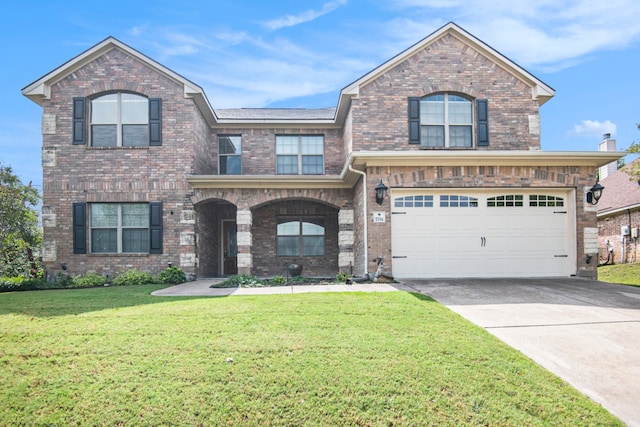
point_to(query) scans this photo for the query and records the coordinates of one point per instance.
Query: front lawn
(120, 357)
(625, 274)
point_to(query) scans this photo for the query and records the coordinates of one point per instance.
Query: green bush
(88, 280)
(11, 284)
(133, 278)
(63, 280)
(278, 280)
(240, 281)
(173, 276)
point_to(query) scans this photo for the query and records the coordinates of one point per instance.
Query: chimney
(607, 144)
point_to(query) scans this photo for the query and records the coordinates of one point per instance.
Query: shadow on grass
(64, 302)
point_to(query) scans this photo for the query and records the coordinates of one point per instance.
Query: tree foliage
(633, 168)
(20, 235)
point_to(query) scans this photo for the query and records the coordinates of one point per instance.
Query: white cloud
(547, 34)
(594, 128)
(309, 15)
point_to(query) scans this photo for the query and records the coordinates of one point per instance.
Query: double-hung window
(299, 154)
(300, 236)
(119, 228)
(230, 155)
(120, 120)
(446, 120)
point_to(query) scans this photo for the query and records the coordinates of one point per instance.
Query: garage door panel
(482, 241)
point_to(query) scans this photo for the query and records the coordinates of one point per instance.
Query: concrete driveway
(584, 331)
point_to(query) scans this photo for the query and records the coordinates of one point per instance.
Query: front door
(229, 247)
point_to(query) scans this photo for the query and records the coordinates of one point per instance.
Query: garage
(463, 233)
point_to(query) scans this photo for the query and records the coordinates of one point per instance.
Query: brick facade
(372, 117)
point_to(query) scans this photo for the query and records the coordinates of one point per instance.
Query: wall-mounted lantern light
(594, 194)
(381, 190)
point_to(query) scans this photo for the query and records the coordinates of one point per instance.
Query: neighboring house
(619, 218)
(140, 171)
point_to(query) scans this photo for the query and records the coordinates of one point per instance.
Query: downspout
(366, 220)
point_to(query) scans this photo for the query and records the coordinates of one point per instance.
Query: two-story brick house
(140, 171)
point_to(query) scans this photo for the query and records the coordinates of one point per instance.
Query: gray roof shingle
(275, 113)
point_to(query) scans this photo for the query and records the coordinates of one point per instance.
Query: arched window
(120, 120)
(446, 120)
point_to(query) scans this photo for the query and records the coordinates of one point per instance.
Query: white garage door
(473, 234)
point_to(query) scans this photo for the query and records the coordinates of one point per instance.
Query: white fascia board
(484, 158)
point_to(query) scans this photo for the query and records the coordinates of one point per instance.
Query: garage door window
(414, 202)
(511, 200)
(540, 200)
(454, 201)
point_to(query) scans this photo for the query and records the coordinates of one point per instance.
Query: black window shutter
(155, 228)
(483, 122)
(79, 111)
(155, 121)
(79, 228)
(414, 120)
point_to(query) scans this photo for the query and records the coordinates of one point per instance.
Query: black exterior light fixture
(381, 190)
(594, 194)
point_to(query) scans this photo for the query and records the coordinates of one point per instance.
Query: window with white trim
(299, 154)
(419, 201)
(120, 120)
(541, 200)
(119, 227)
(230, 155)
(455, 201)
(510, 200)
(446, 120)
(301, 236)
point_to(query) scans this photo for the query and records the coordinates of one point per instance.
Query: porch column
(345, 241)
(244, 220)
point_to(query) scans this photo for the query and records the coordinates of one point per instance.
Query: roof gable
(539, 90)
(41, 88)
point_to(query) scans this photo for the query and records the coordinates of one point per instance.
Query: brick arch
(250, 198)
(449, 87)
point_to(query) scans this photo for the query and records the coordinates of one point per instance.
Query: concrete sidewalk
(584, 331)
(202, 288)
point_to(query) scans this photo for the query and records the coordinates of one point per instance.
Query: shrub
(278, 280)
(11, 284)
(240, 281)
(63, 280)
(173, 276)
(343, 277)
(88, 280)
(133, 278)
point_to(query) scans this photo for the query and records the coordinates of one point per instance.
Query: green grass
(119, 357)
(626, 274)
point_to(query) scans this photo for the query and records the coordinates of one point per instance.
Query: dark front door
(229, 248)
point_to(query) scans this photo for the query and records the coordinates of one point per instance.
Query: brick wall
(380, 113)
(266, 262)
(79, 173)
(626, 251)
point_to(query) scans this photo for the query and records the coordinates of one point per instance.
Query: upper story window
(446, 120)
(120, 120)
(230, 155)
(117, 120)
(300, 154)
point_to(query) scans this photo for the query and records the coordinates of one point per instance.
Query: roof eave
(485, 158)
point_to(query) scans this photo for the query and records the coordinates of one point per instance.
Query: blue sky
(302, 53)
